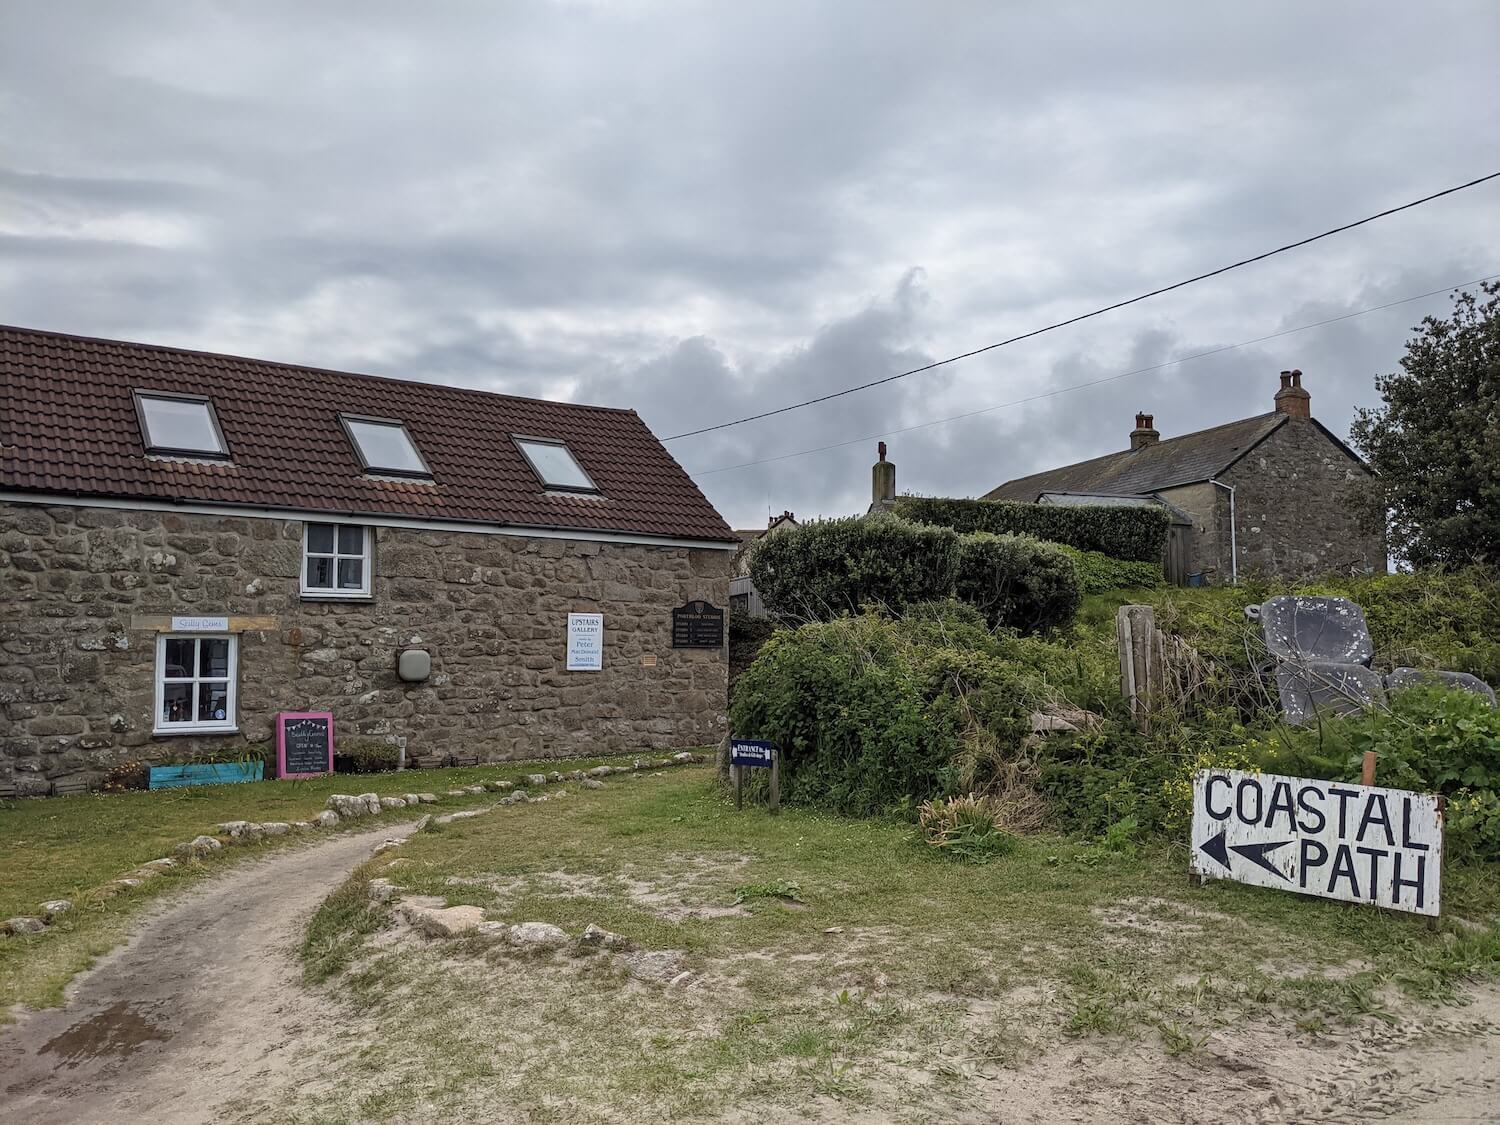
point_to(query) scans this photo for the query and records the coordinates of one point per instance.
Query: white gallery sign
(585, 642)
(1356, 843)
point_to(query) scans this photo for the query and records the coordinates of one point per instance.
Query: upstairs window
(384, 446)
(195, 683)
(336, 560)
(179, 425)
(554, 464)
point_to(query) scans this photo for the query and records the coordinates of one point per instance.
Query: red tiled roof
(68, 424)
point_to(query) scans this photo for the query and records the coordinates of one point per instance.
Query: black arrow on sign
(1256, 854)
(1218, 849)
(1215, 849)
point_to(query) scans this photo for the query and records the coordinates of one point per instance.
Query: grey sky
(703, 210)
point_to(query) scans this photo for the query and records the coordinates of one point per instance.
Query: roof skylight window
(384, 446)
(179, 425)
(555, 466)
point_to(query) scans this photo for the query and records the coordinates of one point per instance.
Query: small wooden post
(775, 783)
(1367, 774)
(739, 795)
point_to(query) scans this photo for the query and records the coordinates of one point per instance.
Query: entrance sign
(304, 743)
(752, 753)
(698, 625)
(585, 642)
(1332, 839)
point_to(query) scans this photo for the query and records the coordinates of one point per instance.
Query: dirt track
(202, 1014)
(202, 1005)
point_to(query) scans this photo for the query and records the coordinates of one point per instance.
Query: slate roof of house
(1138, 472)
(68, 425)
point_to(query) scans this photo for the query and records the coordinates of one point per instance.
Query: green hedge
(1017, 582)
(1099, 573)
(1138, 534)
(829, 567)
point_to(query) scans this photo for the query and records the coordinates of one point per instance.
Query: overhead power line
(1087, 315)
(1091, 383)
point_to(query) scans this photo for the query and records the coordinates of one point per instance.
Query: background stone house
(191, 543)
(1272, 494)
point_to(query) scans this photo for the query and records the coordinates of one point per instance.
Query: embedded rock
(600, 771)
(275, 828)
(658, 965)
(684, 757)
(422, 822)
(198, 845)
(444, 921)
(590, 783)
(554, 777)
(372, 802)
(492, 931)
(381, 890)
(427, 798)
(474, 790)
(576, 775)
(537, 935)
(603, 939)
(392, 803)
(457, 793)
(24, 925)
(326, 819)
(536, 780)
(412, 798)
(55, 907)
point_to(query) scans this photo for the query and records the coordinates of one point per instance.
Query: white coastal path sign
(1356, 843)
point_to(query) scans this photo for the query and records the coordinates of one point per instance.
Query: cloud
(703, 211)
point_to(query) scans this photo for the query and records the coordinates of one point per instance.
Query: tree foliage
(1435, 441)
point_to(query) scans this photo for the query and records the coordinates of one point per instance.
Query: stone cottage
(1270, 494)
(191, 543)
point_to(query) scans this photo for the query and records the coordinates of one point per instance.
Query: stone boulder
(600, 771)
(392, 803)
(326, 819)
(536, 780)
(198, 846)
(443, 921)
(657, 965)
(23, 925)
(381, 890)
(275, 828)
(597, 938)
(53, 907)
(537, 935)
(590, 783)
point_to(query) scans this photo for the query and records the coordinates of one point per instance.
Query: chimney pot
(881, 449)
(1144, 433)
(1292, 399)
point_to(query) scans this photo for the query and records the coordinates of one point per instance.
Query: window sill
(335, 596)
(175, 731)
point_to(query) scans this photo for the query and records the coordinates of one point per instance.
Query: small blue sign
(751, 752)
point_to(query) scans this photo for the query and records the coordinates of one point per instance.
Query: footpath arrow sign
(1356, 843)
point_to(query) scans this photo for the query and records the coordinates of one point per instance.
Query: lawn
(65, 847)
(832, 961)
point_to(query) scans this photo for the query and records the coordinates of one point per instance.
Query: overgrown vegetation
(825, 568)
(1138, 534)
(1098, 573)
(966, 828)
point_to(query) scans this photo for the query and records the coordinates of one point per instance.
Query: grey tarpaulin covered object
(1301, 628)
(1323, 687)
(1431, 677)
(1323, 649)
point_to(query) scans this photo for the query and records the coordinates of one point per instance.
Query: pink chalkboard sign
(304, 743)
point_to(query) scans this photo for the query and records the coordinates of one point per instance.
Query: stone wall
(1294, 510)
(1201, 502)
(77, 658)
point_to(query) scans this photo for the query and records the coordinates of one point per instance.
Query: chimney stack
(1143, 434)
(882, 480)
(1291, 399)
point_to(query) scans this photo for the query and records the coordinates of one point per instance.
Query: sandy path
(201, 1006)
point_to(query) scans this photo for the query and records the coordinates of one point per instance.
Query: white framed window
(336, 560)
(195, 682)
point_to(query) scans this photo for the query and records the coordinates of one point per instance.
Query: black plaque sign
(698, 625)
(305, 743)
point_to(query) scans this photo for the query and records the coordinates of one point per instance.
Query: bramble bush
(1138, 534)
(828, 567)
(874, 713)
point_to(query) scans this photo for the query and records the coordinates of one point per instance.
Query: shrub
(826, 567)
(1097, 572)
(966, 828)
(368, 755)
(1121, 533)
(873, 713)
(1017, 582)
(822, 569)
